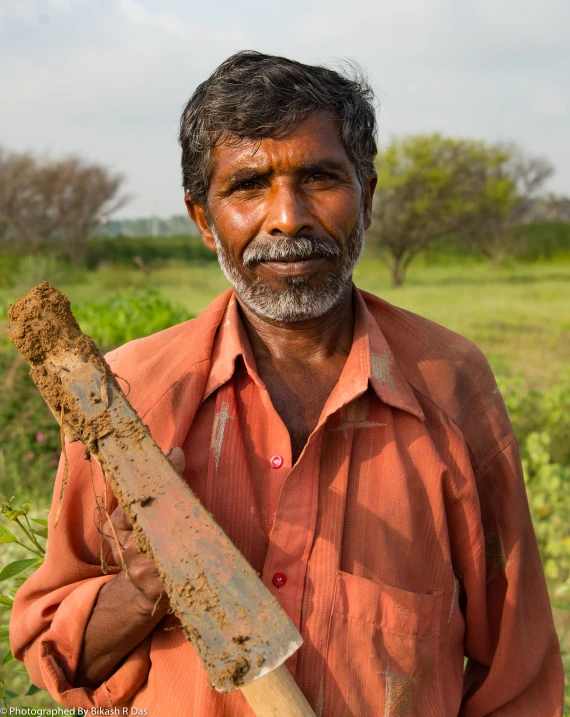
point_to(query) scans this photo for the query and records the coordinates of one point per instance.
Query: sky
(107, 79)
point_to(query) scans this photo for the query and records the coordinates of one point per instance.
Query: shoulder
(446, 369)
(150, 365)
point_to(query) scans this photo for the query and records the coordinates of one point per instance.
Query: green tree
(509, 186)
(431, 186)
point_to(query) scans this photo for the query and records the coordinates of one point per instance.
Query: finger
(176, 456)
(120, 520)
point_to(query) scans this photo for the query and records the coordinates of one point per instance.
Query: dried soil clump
(42, 326)
(46, 334)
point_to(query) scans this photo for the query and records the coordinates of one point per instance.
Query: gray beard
(298, 301)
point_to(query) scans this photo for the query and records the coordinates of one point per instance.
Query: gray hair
(253, 96)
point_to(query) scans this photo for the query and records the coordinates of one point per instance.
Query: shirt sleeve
(514, 666)
(52, 608)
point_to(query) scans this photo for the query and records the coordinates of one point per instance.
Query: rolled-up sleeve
(51, 610)
(514, 666)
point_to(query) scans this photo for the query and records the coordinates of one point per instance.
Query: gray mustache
(288, 249)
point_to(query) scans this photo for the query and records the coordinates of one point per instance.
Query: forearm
(121, 619)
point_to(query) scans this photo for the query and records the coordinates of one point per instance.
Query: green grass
(518, 314)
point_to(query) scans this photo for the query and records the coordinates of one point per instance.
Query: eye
(319, 177)
(247, 185)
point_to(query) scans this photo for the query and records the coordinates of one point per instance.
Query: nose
(287, 212)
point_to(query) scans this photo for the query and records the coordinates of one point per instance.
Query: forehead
(315, 139)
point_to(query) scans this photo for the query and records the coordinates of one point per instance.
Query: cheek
(236, 226)
(339, 217)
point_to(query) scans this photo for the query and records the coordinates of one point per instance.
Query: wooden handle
(277, 695)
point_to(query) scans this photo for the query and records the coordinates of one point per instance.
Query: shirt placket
(293, 533)
(324, 565)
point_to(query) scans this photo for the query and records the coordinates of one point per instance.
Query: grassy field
(517, 313)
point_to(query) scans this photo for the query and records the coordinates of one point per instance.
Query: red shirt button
(276, 462)
(279, 579)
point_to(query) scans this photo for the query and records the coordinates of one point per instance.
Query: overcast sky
(108, 78)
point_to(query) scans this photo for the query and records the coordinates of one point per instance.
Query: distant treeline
(533, 242)
(539, 240)
(146, 251)
(121, 250)
(176, 225)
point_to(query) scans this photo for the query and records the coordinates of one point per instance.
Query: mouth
(294, 266)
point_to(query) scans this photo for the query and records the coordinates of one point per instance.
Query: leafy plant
(540, 411)
(128, 315)
(30, 534)
(547, 486)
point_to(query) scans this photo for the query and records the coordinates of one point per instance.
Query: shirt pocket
(382, 651)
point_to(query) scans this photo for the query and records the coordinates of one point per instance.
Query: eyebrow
(245, 174)
(248, 173)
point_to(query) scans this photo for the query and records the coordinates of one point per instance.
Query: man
(358, 455)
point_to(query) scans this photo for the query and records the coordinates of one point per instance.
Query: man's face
(287, 218)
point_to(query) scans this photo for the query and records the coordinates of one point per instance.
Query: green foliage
(128, 315)
(30, 445)
(34, 268)
(433, 188)
(154, 252)
(429, 187)
(534, 412)
(542, 240)
(541, 421)
(8, 269)
(548, 488)
(30, 539)
(28, 270)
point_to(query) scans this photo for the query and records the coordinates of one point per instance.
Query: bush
(128, 315)
(541, 421)
(542, 240)
(533, 411)
(154, 251)
(548, 484)
(21, 537)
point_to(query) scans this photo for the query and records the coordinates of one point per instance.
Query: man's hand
(128, 607)
(140, 569)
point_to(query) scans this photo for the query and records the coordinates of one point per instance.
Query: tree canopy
(431, 186)
(42, 199)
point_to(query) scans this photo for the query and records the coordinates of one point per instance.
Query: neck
(310, 341)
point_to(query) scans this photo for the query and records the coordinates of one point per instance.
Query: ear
(369, 186)
(199, 215)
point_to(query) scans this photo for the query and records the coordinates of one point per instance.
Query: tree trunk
(398, 271)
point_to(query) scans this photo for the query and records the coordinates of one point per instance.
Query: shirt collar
(230, 342)
(379, 363)
(370, 362)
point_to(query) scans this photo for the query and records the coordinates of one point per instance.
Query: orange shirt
(399, 541)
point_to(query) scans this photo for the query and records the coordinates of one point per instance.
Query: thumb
(176, 456)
